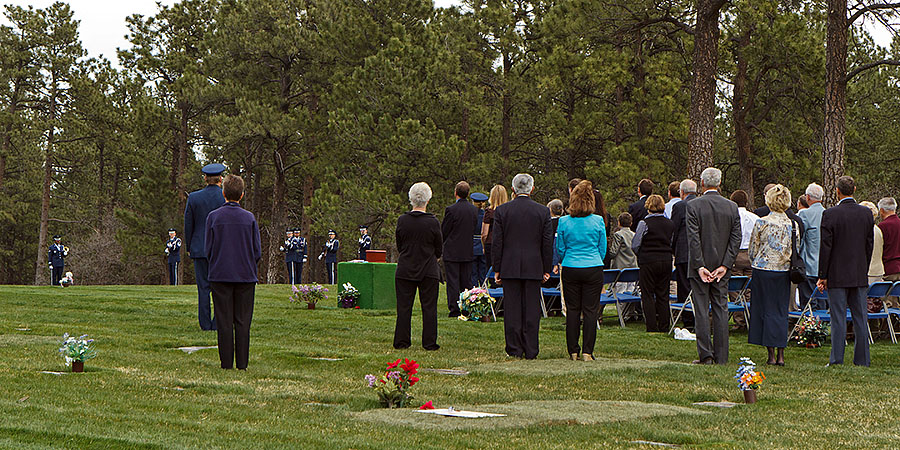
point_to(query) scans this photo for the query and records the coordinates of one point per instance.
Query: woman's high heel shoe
(574, 356)
(587, 357)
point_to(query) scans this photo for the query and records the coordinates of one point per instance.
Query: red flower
(427, 405)
(356, 307)
(410, 367)
(394, 364)
(413, 381)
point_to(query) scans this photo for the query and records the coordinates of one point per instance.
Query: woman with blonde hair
(581, 244)
(876, 265)
(770, 257)
(498, 197)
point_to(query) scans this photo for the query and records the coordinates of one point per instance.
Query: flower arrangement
(309, 293)
(747, 376)
(475, 304)
(811, 332)
(78, 349)
(393, 387)
(348, 296)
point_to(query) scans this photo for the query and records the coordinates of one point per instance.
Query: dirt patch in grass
(553, 367)
(528, 413)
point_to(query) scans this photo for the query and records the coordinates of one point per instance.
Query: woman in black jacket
(652, 244)
(419, 242)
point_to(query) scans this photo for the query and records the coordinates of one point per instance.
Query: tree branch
(869, 8)
(871, 65)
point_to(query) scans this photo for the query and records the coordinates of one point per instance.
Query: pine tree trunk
(506, 124)
(740, 108)
(835, 98)
(702, 116)
(40, 270)
(277, 216)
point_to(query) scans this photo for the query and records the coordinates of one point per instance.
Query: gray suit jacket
(713, 233)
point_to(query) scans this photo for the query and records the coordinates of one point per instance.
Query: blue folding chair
(496, 293)
(610, 277)
(808, 311)
(548, 294)
(894, 291)
(739, 284)
(880, 290)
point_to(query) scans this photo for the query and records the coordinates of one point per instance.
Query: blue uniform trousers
(204, 312)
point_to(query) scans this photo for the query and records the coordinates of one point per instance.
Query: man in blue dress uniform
(199, 205)
(329, 252)
(173, 252)
(56, 260)
(479, 264)
(289, 255)
(365, 242)
(300, 249)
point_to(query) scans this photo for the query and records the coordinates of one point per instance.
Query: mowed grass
(141, 393)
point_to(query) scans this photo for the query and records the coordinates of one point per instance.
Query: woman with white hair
(770, 257)
(419, 242)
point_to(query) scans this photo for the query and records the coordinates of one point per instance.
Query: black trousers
(406, 298)
(56, 274)
(459, 278)
(298, 272)
(331, 272)
(173, 273)
(582, 287)
(684, 288)
(290, 272)
(201, 273)
(654, 281)
(522, 316)
(234, 310)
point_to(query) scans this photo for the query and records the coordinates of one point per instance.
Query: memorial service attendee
(419, 243)
(653, 246)
(638, 210)
(623, 256)
(460, 219)
(557, 209)
(890, 230)
(714, 237)
(742, 261)
(173, 255)
(581, 245)
(876, 264)
(498, 197)
(770, 282)
(364, 243)
(300, 250)
(199, 205)
(233, 249)
(290, 255)
(680, 247)
(479, 263)
(844, 256)
(809, 245)
(802, 203)
(330, 252)
(522, 255)
(56, 259)
(674, 197)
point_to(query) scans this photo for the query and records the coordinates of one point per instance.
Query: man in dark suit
(714, 237)
(637, 209)
(460, 219)
(522, 255)
(688, 190)
(844, 253)
(199, 205)
(233, 248)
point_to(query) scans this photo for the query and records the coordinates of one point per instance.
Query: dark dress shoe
(705, 361)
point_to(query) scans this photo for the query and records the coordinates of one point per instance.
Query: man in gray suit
(714, 237)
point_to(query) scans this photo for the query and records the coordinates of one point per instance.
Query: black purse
(798, 267)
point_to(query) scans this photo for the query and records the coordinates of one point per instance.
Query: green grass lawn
(141, 393)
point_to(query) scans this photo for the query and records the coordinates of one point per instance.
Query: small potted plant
(812, 332)
(476, 305)
(309, 293)
(348, 296)
(77, 350)
(749, 379)
(393, 387)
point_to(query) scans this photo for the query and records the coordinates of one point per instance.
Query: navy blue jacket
(460, 219)
(365, 243)
(288, 247)
(174, 248)
(56, 255)
(232, 244)
(477, 248)
(199, 205)
(299, 249)
(331, 249)
(846, 246)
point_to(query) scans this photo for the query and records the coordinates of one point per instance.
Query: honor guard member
(289, 255)
(300, 249)
(329, 252)
(365, 241)
(479, 264)
(173, 251)
(56, 260)
(199, 205)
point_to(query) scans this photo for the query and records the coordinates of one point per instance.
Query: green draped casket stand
(375, 282)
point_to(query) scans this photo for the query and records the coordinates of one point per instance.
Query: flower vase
(77, 366)
(310, 306)
(487, 318)
(750, 396)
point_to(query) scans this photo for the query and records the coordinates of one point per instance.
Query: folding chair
(880, 290)
(548, 294)
(808, 311)
(625, 298)
(610, 277)
(674, 305)
(496, 293)
(893, 292)
(739, 284)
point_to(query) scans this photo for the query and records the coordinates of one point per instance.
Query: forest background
(331, 109)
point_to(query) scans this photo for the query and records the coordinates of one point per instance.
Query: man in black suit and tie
(460, 219)
(637, 209)
(680, 247)
(522, 254)
(844, 253)
(714, 238)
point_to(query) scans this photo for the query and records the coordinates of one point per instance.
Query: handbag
(798, 267)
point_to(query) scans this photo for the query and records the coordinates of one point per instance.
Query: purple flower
(371, 379)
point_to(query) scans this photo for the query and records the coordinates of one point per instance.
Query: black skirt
(770, 296)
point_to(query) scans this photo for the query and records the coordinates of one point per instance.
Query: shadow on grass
(551, 367)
